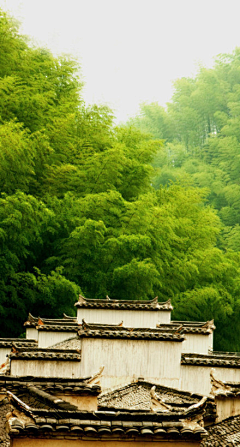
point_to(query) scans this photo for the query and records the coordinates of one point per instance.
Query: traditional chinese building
(157, 383)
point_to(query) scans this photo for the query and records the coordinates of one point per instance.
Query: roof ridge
(52, 400)
(124, 304)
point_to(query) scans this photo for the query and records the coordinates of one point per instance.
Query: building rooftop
(141, 395)
(223, 388)
(44, 354)
(224, 434)
(50, 385)
(20, 342)
(118, 331)
(39, 322)
(224, 360)
(41, 413)
(123, 304)
(186, 327)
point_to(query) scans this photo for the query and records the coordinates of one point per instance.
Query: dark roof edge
(130, 334)
(47, 380)
(124, 304)
(210, 360)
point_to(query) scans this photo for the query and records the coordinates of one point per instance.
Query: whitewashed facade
(125, 360)
(130, 318)
(45, 368)
(31, 333)
(130, 339)
(198, 343)
(51, 338)
(196, 379)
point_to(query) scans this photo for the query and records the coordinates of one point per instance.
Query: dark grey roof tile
(19, 342)
(102, 331)
(39, 321)
(223, 434)
(210, 360)
(44, 354)
(123, 304)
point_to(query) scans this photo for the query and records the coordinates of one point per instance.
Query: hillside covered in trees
(90, 207)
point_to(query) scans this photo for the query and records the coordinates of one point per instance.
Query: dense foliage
(78, 211)
(201, 129)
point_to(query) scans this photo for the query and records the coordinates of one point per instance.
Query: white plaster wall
(211, 336)
(130, 318)
(3, 354)
(197, 378)
(50, 338)
(123, 360)
(197, 343)
(44, 368)
(226, 407)
(31, 333)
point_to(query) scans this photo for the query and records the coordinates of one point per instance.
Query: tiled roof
(117, 331)
(79, 427)
(232, 389)
(61, 327)
(37, 411)
(39, 321)
(137, 396)
(224, 361)
(97, 423)
(186, 327)
(224, 434)
(45, 354)
(20, 342)
(5, 408)
(38, 399)
(123, 304)
(51, 385)
(222, 388)
(69, 343)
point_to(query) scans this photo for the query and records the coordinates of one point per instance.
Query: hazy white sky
(131, 50)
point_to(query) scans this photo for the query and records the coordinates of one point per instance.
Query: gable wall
(50, 338)
(3, 354)
(227, 407)
(88, 403)
(197, 378)
(197, 343)
(130, 318)
(127, 359)
(31, 333)
(45, 368)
